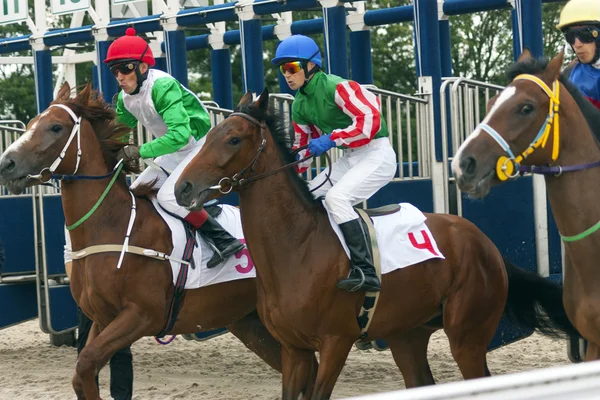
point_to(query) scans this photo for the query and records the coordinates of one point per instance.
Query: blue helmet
(297, 47)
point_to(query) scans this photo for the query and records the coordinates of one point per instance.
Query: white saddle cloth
(236, 267)
(403, 238)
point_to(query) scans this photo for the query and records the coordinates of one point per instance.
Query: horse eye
(56, 128)
(526, 109)
(234, 141)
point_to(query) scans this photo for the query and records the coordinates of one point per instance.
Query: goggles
(124, 68)
(291, 67)
(585, 34)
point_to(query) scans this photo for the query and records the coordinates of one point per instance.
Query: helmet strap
(308, 74)
(140, 77)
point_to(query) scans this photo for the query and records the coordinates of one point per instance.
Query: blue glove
(320, 145)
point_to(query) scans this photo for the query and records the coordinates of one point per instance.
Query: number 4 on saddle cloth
(401, 239)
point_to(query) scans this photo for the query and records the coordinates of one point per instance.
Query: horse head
(44, 144)
(510, 135)
(231, 153)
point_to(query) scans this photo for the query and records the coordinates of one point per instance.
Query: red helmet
(130, 47)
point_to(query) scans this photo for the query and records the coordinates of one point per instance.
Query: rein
(226, 184)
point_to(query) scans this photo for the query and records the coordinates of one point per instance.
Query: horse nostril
(182, 193)
(7, 165)
(468, 165)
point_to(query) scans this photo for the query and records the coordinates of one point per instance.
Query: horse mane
(111, 134)
(535, 66)
(284, 139)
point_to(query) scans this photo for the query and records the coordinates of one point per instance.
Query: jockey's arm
(167, 98)
(302, 131)
(362, 106)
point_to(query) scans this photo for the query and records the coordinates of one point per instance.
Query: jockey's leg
(223, 243)
(372, 168)
(325, 179)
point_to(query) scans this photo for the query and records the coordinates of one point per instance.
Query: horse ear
(525, 55)
(64, 93)
(263, 100)
(83, 97)
(554, 67)
(246, 99)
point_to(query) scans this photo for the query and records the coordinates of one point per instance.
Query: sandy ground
(222, 368)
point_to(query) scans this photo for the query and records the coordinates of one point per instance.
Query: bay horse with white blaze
(566, 150)
(299, 259)
(127, 303)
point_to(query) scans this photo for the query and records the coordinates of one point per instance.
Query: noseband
(47, 173)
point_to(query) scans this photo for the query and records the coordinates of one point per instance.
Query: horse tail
(536, 303)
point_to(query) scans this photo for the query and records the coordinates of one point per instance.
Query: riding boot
(223, 244)
(361, 260)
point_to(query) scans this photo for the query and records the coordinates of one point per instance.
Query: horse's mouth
(478, 189)
(198, 202)
(18, 185)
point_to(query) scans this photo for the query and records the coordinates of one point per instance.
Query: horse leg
(298, 374)
(255, 336)
(76, 382)
(592, 352)
(469, 340)
(130, 325)
(409, 350)
(333, 354)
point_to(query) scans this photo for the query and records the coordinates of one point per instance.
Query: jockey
(328, 112)
(179, 123)
(580, 24)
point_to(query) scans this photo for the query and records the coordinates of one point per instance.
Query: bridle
(226, 184)
(46, 174)
(510, 167)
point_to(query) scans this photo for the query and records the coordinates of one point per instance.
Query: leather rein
(226, 184)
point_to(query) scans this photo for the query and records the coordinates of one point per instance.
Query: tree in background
(481, 50)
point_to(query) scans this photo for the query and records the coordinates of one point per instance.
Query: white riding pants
(175, 163)
(358, 175)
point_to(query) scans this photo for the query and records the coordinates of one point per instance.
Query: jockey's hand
(320, 145)
(128, 153)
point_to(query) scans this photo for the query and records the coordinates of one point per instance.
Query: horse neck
(80, 196)
(281, 222)
(573, 196)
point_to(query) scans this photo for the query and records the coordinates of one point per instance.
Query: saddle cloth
(403, 238)
(235, 267)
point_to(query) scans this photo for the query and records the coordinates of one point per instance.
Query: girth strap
(365, 316)
(118, 248)
(179, 292)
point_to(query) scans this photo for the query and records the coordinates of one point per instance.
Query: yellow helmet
(579, 12)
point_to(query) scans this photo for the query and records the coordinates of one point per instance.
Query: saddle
(383, 210)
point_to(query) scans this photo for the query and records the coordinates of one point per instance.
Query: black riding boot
(357, 239)
(224, 245)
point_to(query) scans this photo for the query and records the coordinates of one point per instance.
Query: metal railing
(10, 131)
(467, 100)
(407, 120)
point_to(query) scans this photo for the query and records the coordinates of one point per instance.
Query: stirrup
(362, 280)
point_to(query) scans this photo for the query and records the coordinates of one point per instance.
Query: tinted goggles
(585, 34)
(124, 68)
(291, 67)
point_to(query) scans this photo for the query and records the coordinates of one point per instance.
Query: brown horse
(572, 143)
(299, 259)
(131, 302)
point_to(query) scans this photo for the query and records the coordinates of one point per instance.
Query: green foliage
(481, 50)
